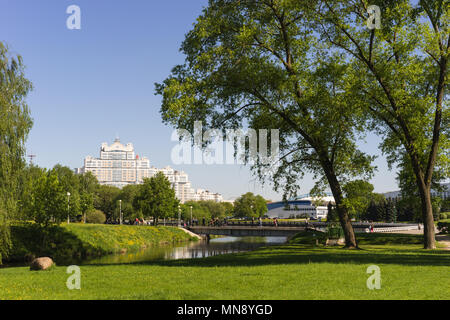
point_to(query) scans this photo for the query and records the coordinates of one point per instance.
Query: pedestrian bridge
(247, 231)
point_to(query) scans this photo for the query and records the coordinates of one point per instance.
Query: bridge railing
(357, 226)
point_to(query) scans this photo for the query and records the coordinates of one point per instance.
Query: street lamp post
(120, 211)
(179, 216)
(68, 207)
(191, 215)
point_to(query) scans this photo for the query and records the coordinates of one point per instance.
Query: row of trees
(53, 196)
(364, 204)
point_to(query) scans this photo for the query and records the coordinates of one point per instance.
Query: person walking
(260, 221)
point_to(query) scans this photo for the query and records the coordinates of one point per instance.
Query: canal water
(191, 250)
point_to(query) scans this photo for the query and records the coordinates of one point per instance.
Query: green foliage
(409, 208)
(409, 192)
(156, 198)
(82, 190)
(49, 202)
(334, 231)
(15, 124)
(206, 209)
(391, 211)
(95, 217)
(445, 205)
(199, 211)
(28, 181)
(215, 209)
(357, 197)
(88, 185)
(127, 195)
(71, 242)
(398, 74)
(229, 208)
(264, 65)
(105, 201)
(249, 205)
(376, 210)
(5, 241)
(444, 227)
(332, 214)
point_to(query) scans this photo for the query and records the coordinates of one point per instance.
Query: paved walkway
(443, 239)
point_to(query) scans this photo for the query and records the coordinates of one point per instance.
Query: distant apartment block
(119, 166)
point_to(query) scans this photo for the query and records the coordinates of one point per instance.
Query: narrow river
(191, 250)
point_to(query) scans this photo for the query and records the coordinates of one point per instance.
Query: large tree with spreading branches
(261, 64)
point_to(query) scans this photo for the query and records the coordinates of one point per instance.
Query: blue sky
(98, 82)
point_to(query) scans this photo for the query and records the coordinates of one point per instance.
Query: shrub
(96, 216)
(334, 231)
(444, 227)
(444, 216)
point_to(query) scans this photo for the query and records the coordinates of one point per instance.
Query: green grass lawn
(291, 271)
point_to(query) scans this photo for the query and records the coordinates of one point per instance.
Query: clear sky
(93, 84)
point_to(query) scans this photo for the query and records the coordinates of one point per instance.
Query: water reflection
(191, 250)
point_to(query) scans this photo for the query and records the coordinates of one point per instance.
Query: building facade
(302, 208)
(118, 166)
(444, 194)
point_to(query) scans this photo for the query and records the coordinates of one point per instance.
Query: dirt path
(191, 233)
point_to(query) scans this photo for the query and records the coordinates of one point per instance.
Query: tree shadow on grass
(30, 240)
(304, 254)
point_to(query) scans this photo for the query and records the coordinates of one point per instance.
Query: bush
(334, 231)
(444, 227)
(444, 216)
(96, 217)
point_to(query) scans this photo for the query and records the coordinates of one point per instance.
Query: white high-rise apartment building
(119, 166)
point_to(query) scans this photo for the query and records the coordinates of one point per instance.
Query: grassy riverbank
(65, 242)
(291, 271)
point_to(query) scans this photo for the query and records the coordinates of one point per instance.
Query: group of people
(274, 221)
(214, 222)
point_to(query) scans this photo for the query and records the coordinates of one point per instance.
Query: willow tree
(259, 64)
(399, 52)
(15, 124)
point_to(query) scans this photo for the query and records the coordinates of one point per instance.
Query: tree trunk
(427, 209)
(429, 241)
(349, 234)
(344, 219)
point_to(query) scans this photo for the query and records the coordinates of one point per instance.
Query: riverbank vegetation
(291, 271)
(72, 242)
